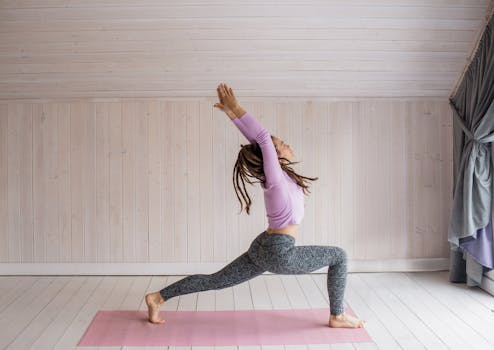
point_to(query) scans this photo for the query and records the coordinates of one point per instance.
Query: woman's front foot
(153, 301)
(345, 321)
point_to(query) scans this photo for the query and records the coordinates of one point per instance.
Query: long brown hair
(249, 164)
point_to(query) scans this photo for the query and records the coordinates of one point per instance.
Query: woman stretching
(266, 159)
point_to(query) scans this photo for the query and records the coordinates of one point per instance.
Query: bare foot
(345, 321)
(153, 300)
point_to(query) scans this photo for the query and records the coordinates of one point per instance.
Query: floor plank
(383, 310)
(21, 312)
(383, 289)
(474, 315)
(60, 324)
(429, 311)
(56, 305)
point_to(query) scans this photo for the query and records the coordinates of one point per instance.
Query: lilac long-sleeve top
(283, 197)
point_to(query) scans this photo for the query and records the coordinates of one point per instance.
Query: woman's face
(283, 149)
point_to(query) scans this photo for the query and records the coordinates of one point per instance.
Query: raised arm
(255, 132)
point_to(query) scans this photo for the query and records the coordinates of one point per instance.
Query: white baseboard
(395, 265)
(487, 283)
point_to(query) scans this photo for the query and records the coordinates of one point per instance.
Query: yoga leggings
(276, 253)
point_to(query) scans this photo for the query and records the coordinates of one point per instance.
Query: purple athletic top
(283, 197)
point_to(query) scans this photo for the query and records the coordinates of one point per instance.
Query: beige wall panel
(4, 189)
(129, 160)
(142, 182)
(150, 180)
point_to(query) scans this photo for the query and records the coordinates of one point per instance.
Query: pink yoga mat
(218, 328)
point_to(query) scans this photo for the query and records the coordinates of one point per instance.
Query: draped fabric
(470, 229)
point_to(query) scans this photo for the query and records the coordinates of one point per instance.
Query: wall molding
(394, 265)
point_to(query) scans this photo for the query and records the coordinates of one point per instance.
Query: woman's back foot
(345, 321)
(153, 301)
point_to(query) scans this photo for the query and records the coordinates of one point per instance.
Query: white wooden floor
(403, 310)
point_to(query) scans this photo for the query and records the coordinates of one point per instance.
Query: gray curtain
(470, 229)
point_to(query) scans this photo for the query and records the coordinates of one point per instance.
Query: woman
(266, 159)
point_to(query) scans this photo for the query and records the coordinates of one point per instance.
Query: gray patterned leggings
(276, 253)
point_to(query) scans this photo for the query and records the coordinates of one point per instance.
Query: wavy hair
(249, 165)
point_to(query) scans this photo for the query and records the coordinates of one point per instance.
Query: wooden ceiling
(184, 48)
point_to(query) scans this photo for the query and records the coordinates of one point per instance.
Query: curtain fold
(470, 229)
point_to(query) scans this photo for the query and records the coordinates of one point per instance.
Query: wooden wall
(150, 180)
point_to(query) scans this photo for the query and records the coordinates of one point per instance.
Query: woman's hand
(227, 97)
(228, 101)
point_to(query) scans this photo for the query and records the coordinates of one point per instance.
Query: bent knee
(341, 254)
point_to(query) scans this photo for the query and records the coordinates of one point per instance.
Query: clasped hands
(228, 102)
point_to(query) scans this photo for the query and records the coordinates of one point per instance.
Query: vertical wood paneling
(78, 114)
(102, 174)
(141, 185)
(411, 176)
(129, 122)
(373, 182)
(12, 241)
(417, 136)
(378, 197)
(425, 178)
(319, 110)
(50, 167)
(180, 180)
(115, 176)
(219, 181)
(40, 180)
(295, 130)
(88, 184)
(21, 240)
(362, 228)
(151, 181)
(434, 186)
(446, 173)
(4, 184)
(397, 185)
(25, 175)
(310, 145)
(206, 121)
(231, 224)
(337, 172)
(386, 171)
(322, 210)
(427, 184)
(167, 246)
(344, 136)
(331, 177)
(155, 208)
(63, 177)
(193, 190)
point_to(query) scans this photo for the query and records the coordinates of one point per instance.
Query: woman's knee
(341, 254)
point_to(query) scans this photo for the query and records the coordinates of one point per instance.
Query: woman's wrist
(238, 111)
(231, 115)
